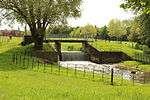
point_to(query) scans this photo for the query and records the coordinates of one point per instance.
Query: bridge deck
(77, 41)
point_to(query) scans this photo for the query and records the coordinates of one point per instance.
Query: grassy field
(125, 47)
(21, 83)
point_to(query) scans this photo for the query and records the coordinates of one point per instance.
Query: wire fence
(143, 58)
(104, 73)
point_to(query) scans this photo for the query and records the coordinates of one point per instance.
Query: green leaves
(137, 6)
(116, 28)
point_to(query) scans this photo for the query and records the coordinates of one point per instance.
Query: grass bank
(21, 83)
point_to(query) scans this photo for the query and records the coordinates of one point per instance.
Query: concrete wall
(51, 56)
(104, 57)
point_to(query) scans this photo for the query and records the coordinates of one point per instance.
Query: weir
(74, 56)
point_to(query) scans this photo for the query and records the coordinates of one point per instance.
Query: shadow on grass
(6, 59)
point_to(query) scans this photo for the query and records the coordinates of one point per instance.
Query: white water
(98, 68)
(74, 56)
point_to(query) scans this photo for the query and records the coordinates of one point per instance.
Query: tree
(137, 6)
(134, 30)
(102, 32)
(76, 32)
(144, 29)
(142, 8)
(116, 28)
(38, 14)
(89, 30)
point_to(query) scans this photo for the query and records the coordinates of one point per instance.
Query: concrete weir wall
(50, 56)
(104, 57)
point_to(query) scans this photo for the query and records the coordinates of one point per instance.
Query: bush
(146, 49)
(70, 48)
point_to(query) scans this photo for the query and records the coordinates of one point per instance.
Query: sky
(95, 12)
(100, 12)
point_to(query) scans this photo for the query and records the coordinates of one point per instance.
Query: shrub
(70, 48)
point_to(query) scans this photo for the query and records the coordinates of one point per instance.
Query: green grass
(134, 65)
(113, 46)
(76, 46)
(22, 83)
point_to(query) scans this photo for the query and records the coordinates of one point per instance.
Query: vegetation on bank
(22, 83)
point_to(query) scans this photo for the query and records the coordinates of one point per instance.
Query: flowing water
(80, 61)
(98, 68)
(74, 56)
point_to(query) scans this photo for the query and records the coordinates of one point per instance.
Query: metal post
(59, 67)
(133, 73)
(20, 59)
(38, 64)
(75, 69)
(84, 71)
(112, 76)
(144, 77)
(67, 69)
(44, 66)
(51, 68)
(32, 63)
(28, 62)
(122, 77)
(93, 71)
(16, 59)
(103, 75)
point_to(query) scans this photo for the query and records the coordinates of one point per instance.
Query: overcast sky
(96, 12)
(100, 12)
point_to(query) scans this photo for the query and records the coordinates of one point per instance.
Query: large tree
(38, 14)
(102, 32)
(116, 28)
(137, 6)
(142, 9)
(89, 30)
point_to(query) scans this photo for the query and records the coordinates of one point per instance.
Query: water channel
(80, 61)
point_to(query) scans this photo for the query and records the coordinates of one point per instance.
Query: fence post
(20, 59)
(93, 71)
(112, 76)
(59, 67)
(32, 63)
(44, 65)
(122, 77)
(67, 69)
(84, 71)
(16, 59)
(144, 77)
(103, 75)
(24, 60)
(51, 68)
(133, 73)
(28, 62)
(38, 64)
(75, 69)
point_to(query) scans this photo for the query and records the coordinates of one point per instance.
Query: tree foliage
(76, 32)
(137, 6)
(59, 29)
(102, 32)
(142, 8)
(89, 30)
(116, 28)
(38, 14)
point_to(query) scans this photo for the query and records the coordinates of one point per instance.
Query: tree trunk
(37, 38)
